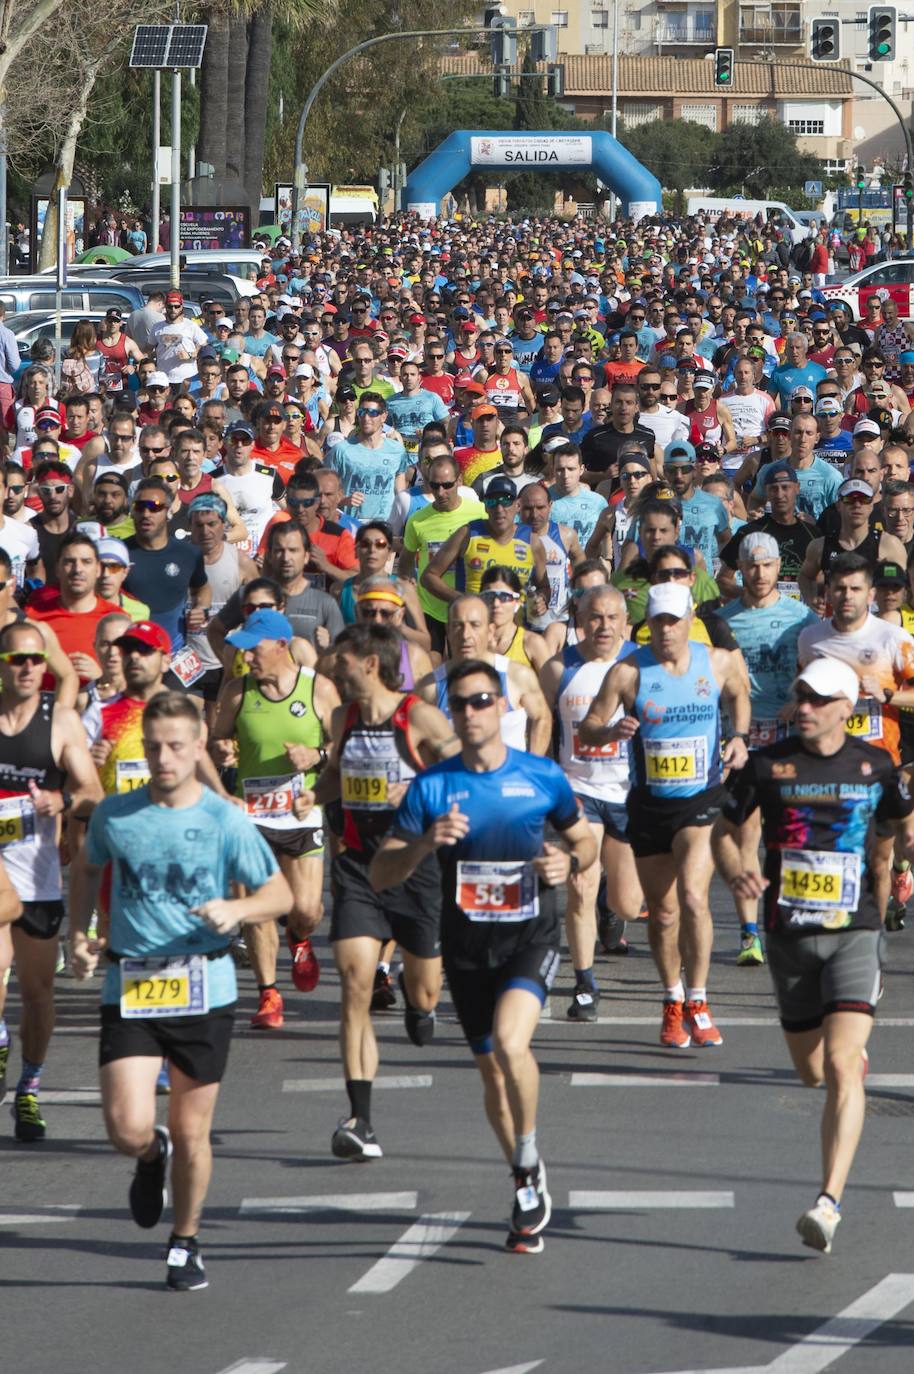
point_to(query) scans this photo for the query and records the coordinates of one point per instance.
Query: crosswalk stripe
(903, 1199)
(420, 1242)
(50, 1214)
(338, 1085)
(890, 1080)
(256, 1364)
(330, 1202)
(71, 1097)
(635, 1201)
(645, 1080)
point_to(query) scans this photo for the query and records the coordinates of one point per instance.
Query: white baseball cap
(829, 677)
(669, 598)
(157, 379)
(758, 548)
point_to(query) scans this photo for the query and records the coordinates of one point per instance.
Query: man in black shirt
(792, 533)
(600, 446)
(165, 572)
(55, 491)
(824, 797)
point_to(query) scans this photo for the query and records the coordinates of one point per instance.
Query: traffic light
(555, 81)
(883, 23)
(860, 179)
(501, 86)
(544, 45)
(503, 31)
(383, 181)
(723, 66)
(825, 40)
(907, 188)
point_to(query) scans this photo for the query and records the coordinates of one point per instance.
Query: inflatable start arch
(467, 149)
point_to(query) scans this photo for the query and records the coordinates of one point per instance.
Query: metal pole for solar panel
(156, 212)
(175, 228)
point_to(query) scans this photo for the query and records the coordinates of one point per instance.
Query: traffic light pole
(858, 76)
(300, 177)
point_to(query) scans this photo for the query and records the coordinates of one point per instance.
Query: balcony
(771, 26)
(681, 30)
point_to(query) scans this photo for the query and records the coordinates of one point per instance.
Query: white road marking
(422, 1240)
(330, 1202)
(645, 1080)
(338, 1085)
(903, 1199)
(881, 1023)
(71, 1097)
(49, 1214)
(256, 1364)
(634, 1200)
(890, 1080)
(828, 1343)
(517, 1368)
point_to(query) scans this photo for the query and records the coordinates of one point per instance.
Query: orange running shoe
(268, 1015)
(703, 1030)
(673, 1032)
(902, 885)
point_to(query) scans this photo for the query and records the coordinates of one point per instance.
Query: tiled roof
(663, 76)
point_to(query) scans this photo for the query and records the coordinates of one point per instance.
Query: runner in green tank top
(278, 717)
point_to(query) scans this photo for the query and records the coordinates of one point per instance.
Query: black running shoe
(4, 1060)
(420, 1025)
(149, 1188)
(895, 915)
(532, 1203)
(30, 1125)
(584, 1003)
(384, 994)
(524, 1245)
(354, 1139)
(185, 1271)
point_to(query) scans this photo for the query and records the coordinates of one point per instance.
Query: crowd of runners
(474, 590)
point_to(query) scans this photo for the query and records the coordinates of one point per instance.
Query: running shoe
(532, 1204)
(306, 971)
(238, 952)
(524, 1245)
(894, 915)
(30, 1125)
(584, 1003)
(817, 1227)
(750, 952)
(673, 1033)
(268, 1015)
(354, 1139)
(611, 932)
(384, 994)
(185, 1271)
(4, 1060)
(697, 1018)
(902, 885)
(163, 1083)
(149, 1188)
(420, 1025)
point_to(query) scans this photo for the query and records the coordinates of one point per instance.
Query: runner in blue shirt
(484, 812)
(176, 851)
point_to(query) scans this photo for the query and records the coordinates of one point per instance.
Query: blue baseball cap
(679, 451)
(261, 625)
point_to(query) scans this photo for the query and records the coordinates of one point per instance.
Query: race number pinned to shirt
(762, 732)
(268, 801)
(821, 887)
(593, 753)
(17, 821)
(672, 761)
(176, 986)
(366, 786)
(866, 722)
(129, 774)
(505, 890)
(187, 667)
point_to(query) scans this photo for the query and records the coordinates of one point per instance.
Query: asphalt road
(676, 1181)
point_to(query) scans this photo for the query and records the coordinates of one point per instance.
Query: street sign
(813, 189)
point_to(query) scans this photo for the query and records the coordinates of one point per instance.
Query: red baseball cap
(148, 633)
(174, 298)
(418, 319)
(277, 370)
(479, 412)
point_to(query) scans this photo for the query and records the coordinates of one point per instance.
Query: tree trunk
(256, 97)
(214, 93)
(63, 169)
(234, 122)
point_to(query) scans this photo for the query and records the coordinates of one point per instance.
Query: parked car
(30, 325)
(893, 279)
(81, 293)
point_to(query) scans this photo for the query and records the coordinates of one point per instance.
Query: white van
(234, 262)
(714, 207)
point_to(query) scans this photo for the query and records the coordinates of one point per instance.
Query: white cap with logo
(829, 677)
(669, 598)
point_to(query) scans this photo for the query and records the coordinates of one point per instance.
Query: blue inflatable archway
(483, 149)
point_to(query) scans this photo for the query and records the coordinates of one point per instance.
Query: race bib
(673, 761)
(497, 891)
(17, 821)
(268, 800)
(366, 787)
(866, 722)
(762, 732)
(789, 588)
(594, 753)
(129, 774)
(822, 888)
(176, 986)
(187, 667)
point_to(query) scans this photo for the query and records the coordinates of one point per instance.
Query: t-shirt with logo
(371, 471)
(163, 579)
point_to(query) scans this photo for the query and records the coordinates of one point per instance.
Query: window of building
(806, 126)
(526, 17)
(600, 19)
(559, 19)
(747, 114)
(700, 114)
(639, 112)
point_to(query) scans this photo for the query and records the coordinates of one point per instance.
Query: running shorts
(611, 815)
(409, 913)
(653, 823)
(815, 975)
(475, 991)
(197, 1045)
(41, 920)
(300, 843)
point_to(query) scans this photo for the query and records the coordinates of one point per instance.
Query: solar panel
(168, 45)
(150, 43)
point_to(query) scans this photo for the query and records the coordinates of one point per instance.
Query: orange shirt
(75, 630)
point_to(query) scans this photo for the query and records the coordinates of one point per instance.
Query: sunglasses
(149, 505)
(111, 567)
(648, 386)
(501, 597)
(136, 646)
(47, 424)
(477, 700)
(679, 467)
(55, 489)
(241, 439)
(442, 486)
(856, 498)
(296, 501)
(15, 491)
(377, 544)
(372, 411)
(492, 501)
(803, 697)
(669, 396)
(504, 350)
(156, 452)
(673, 574)
(436, 355)
(32, 659)
(253, 606)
